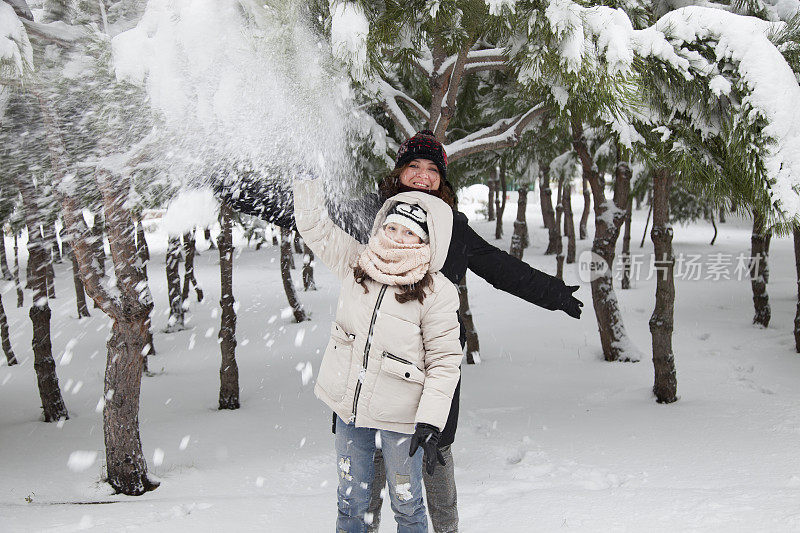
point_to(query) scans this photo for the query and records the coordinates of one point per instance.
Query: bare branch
(449, 107)
(503, 134)
(59, 33)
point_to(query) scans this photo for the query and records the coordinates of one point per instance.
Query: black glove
(570, 304)
(428, 437)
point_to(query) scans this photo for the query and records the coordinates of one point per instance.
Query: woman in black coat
(421, 165)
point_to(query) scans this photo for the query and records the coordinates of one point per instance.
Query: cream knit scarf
(392, 263)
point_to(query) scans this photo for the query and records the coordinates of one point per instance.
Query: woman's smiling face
(422, 174)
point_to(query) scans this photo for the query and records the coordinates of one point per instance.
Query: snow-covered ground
(551, 437)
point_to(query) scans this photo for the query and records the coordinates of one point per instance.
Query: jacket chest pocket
(398, 390)
(334, 370)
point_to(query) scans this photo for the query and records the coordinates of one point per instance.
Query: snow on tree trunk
(228, 370)
(560, 242)
(308, 269)
(796, 232)
(473, 343)
(665, 385)
(569, 224)
(626, 248)
(490, 215)
(17, 282)
(172, 261)
(587, 207)
(80, 293)
(520, 240)
(189, 251)
(49, 391)
(4, 260)
(759, 272)
(500, 206)
(286, 275)
(548, 214)
(608, 219)
(11, 359)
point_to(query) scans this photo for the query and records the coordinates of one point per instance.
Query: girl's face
(401, 234)
(422, 174)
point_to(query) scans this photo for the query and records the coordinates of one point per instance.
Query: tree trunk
(796, 232)
(125, 461)
(609, 217)
(11, 359)
(129, 307)
(500, 207)
(286, 275)
(4, 259)
(80, 293)
(569, 224)
(626, 248)
(172, 260)
(714, 224)
(587, 207)
(560, 243)
(548, 214)
(722, 214)
(98, 248)
(520, 240)
(298, 243)
(228, 370)
(143, 253)
(759, 273)
(207, 236)
(98, 231)
(646, 224)
(17, 282)
(665, 386)
(308, 269)
(473, 343)
(490, 214)
(49, 239)
(43, 363)
(189, 250)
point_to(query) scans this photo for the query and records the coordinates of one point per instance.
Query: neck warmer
(392, 263)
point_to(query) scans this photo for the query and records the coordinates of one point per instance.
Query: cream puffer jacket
(388, 365)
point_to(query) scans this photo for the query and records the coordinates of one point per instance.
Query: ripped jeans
(355, 449)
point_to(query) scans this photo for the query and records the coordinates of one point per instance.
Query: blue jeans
(355, 449)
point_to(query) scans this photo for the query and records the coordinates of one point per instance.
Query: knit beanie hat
(423, 145)
(411, 216)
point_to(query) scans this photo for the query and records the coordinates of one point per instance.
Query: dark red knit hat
(423, 145)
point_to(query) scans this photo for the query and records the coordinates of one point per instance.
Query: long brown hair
(391, 185)
(413, 291)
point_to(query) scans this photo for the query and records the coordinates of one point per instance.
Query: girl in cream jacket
(392, 363)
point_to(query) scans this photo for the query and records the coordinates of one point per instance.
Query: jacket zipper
(400, 359)
(363, 372)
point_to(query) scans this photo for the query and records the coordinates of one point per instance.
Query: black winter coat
(467, 250)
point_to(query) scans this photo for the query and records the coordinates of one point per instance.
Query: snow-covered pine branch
(16, 54)
(502, 134)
